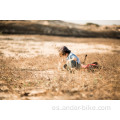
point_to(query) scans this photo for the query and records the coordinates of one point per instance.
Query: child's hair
(64, 50)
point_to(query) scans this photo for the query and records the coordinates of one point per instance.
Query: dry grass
(25, 73)
(26, 79)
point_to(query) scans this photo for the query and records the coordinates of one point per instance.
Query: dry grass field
(29, 68)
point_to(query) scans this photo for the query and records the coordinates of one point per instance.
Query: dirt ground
(29, 68)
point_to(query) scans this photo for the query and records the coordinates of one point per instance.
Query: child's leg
(72, 66)
(78, 66)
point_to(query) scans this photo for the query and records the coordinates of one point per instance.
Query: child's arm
(73, 58)
(60, 64)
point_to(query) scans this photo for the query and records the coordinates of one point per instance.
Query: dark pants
(72, 64)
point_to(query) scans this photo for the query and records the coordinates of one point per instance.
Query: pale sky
(100, 22)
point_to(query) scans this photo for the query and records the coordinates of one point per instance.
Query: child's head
(63, 51)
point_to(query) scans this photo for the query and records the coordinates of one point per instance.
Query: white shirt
(72, 56)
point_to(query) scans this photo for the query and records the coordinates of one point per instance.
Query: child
(72, 61)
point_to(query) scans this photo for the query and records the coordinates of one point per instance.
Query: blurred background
(105, 28)
(100, 22)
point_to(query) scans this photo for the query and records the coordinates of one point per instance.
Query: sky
(100, 22)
